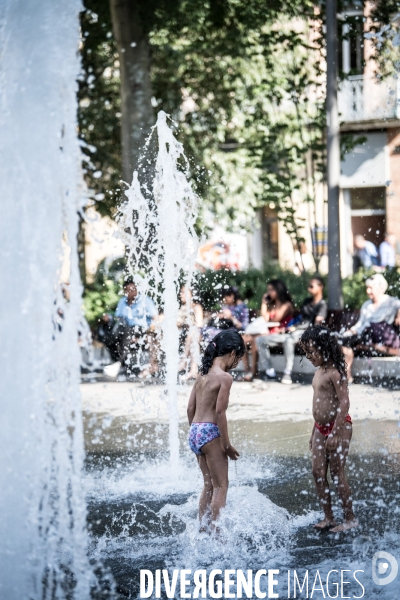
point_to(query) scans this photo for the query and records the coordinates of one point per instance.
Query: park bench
(367, 363)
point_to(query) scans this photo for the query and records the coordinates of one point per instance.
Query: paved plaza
(258, 401)
(275, 417)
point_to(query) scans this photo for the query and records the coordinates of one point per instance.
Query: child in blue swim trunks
(208, 436)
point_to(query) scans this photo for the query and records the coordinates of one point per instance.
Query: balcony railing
(362, 99)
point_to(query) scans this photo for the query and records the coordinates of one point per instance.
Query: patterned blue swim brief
(200, 434)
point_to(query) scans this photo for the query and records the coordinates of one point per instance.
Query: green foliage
(217, 69)
(98, 109)
(242, 81)
(353, 288)
(385, 35)
(348, 141)
(251, 284)
(102, 294)
(290, 147)
(98, 300)
(393, 278)
(241, 93)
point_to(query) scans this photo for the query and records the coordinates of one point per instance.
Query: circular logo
(380, 568)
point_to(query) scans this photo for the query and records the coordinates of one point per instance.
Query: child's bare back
(207, 389)
(208, 435)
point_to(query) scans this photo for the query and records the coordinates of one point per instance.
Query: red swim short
(327, 429)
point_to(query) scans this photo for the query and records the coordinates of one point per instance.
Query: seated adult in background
(234, 313)
(190, 322)
(130, 329)
(276, 307)
(234, 308)
(387, 253)
(377, 326)
(313, 312)
(365, 254)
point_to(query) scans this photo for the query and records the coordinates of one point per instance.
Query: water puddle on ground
(143, 516)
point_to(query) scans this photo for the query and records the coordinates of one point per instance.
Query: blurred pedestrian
(366, 253)
(190, 322)
(303, 258)
(387, 253)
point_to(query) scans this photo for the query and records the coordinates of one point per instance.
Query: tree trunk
(136, 93)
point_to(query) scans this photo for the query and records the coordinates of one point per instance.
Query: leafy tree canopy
(244, 84)
(214, 70)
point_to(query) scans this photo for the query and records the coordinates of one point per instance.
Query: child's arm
(191, 409)
(220, 411)
(343, 409)
(311, 438)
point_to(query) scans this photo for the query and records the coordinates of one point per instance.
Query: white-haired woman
(377, 326)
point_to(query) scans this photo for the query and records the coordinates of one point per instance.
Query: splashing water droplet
(157, 227)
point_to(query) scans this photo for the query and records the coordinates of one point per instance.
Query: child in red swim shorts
(332, 431)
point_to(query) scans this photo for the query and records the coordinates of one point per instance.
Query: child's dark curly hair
(326, 343)
(225, 342)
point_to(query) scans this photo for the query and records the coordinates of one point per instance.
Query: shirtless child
(332, 431)
(208, 435)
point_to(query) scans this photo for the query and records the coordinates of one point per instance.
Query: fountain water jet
(158, 231)
(42, 509)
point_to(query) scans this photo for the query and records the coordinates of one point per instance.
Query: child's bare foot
(325, 524)
(344, 526)
(218, 535)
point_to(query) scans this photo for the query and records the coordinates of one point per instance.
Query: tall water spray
(158, 230)
(42, 510)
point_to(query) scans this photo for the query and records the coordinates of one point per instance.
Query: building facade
(370, 172)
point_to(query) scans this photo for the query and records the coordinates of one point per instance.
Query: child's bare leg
(337, 463)
(320, 471)
(217, 463)
(206, 495)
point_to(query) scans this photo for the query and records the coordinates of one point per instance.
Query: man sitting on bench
(130, 331)
(313, 312)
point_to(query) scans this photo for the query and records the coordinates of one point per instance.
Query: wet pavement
(142, 515)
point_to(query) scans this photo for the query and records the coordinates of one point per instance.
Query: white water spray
(162, 244)
(42, 509)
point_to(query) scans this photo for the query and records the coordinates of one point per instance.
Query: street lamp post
(335, 299)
